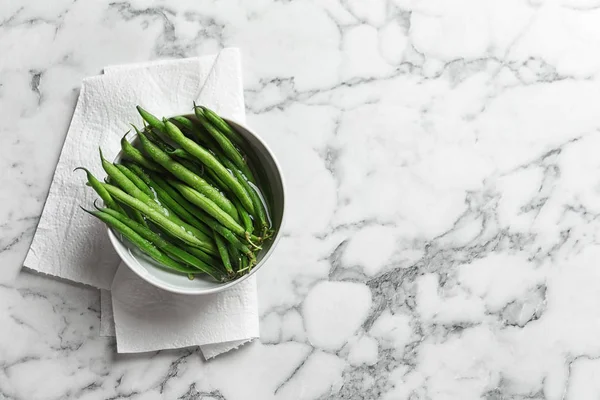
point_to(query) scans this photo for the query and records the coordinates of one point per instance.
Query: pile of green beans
(186, 196)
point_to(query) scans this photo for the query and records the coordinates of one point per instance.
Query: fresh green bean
(222, 247)
(210, 260)
(143, 244)
(181, 153)
(134, 154)
(214, 178)
(236, 258)
(244, 264)
(137, 181)
(218, 183)
(150, 199)
(223, 126)
(259, 206)
(208, 206)
(165, 245)
(151, 119)
(123, 181)
(196, 169)
(251, 263)
(189, 126)
(183, 122)
(157, 217)
(155, 138)
(187, 176)
(210, 162)
(200, 214)
(169, 202)
(245, 217)
(135, 214)
(228, 148)
(97, 186)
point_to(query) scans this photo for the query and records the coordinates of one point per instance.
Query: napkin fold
(107, 328)
(147, 318)
(70, 244)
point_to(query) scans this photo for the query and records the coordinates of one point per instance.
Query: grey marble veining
(444, 184)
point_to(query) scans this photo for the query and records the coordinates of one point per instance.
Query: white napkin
(107, 323)
(70, 244)
(147, 318)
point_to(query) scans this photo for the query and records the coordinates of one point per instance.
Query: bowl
(271, 180)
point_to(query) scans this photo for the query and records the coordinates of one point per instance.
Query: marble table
(443, 161)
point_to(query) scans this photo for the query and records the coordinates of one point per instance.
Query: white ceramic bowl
(271, 179)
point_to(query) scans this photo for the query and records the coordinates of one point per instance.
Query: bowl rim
(151, 279)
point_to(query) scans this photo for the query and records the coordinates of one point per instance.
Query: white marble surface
(443, 161)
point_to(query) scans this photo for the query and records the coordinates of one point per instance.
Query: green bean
(151, 119)
(210, 162)
(169, 202)
(259, 206)
(251, 263)
(183, 122)
(126, 170)
(225, 144)
(245, 217)
(164, 245)
(135, 214)
(97, 186)
(189, 126)
(214, 178)
(173, 228)
(143, 244)
(207, 219)
(148, 197)
(137, 181)
(196, 169)
(123, 181)
(223, 252)
(236, 258)
(209, 207)
(187, 176)
(134, 154)
(181, 153)
(218, 183)
(244, 264)
(155, 138)
(210, 260)
(223, 126)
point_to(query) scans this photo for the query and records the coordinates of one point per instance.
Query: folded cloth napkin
(70, 244)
